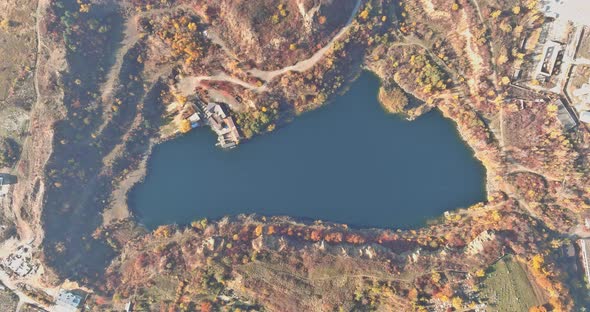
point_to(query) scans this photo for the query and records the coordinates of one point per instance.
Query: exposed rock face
(479, 243)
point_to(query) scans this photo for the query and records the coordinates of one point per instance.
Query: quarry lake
(348, 162)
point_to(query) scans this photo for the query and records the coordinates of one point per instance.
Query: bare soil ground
(25, 201)
(8, 300)
(18, 51)
(18, 47)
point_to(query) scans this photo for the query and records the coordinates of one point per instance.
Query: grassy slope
(509, 288)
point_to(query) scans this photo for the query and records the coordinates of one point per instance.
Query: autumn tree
(163, 231)
(457, 303)
(258, 230)
(480, 273)
(199, 224)
(4, 24)
(538, 309)
(184, 126)
(206, 306)
(270, 230)
(393, 99)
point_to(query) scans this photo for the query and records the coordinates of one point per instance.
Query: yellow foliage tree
(4, 24)
(258, 230)
(457, 303)
(552, 108)
(84, 8)
(192, 26)
(184, 126)
(538, 309)
(364, 14)
(516, 9)
(163, 231)
(537, 262)
(435, 277)
(496, 216)
(532, 4)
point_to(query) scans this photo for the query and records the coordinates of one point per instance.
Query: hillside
(115, 78)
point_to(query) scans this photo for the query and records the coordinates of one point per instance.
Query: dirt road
(187, 85)
(310, 62)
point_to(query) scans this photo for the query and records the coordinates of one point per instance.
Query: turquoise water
(347, 162)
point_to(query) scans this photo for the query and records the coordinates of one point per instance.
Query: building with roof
(565, 116)
(223, 124)
(552, 52)
(20, 262)
(5, 181)
(585, 251)
(68, 301)
(19, 265)
(195, 120)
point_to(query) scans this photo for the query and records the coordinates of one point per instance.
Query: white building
(585, 250)
(550, 57)
(67, 301)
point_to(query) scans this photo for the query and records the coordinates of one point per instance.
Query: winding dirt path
(310, 62)
(187, 85)
(29, 169)
(32, 161)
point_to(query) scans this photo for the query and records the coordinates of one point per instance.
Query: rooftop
(7, 179)
(68, 301)
(551, 53)
(585, 250)
(565, 116)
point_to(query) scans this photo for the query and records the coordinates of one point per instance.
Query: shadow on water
(346, 162)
